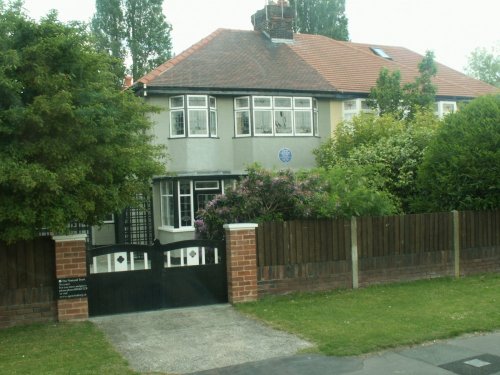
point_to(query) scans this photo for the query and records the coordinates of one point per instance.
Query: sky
(450, 28)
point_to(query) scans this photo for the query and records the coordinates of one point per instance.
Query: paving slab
(186, 340)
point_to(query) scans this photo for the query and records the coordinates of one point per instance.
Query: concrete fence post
(71, 274)
(241, 254)
(354, 253)
(456, 242)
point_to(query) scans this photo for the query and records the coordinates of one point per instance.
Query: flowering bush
(265, 195)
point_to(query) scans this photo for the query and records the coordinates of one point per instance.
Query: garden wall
(322, 254)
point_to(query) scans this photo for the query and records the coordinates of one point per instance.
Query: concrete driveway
(187, 340)
(217, 340)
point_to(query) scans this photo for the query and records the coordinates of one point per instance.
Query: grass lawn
(351, 322)
(67, 348)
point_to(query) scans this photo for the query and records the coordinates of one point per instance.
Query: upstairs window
(443, 108)
(353, 107)
(275, 116)
(201, 119)
(242, 116)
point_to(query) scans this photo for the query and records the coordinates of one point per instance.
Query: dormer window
(380, 52)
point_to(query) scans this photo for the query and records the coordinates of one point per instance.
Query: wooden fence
(315, 254)
(27, 282)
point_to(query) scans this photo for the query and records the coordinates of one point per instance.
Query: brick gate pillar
(241, 253)
(71, 274)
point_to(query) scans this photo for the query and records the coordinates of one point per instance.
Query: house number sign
(285, 155)
(74, 287)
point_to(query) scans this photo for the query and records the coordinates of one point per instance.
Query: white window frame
(272, 108)
(176, 109)
(163, 193)
(264, 109)
(440, 110)
(191, 200)
(110, 219)
(242, 109)
(216, 187)
(348, 114)
(209, 110)
(277, 109)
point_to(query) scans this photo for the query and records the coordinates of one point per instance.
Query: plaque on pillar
(72, 287)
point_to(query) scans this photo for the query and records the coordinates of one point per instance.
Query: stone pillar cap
(240, 226)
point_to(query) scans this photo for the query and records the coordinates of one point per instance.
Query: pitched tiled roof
(248, 60)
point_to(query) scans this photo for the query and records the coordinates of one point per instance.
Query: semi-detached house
(268, 96)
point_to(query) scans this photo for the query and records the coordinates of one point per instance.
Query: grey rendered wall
(230, 154)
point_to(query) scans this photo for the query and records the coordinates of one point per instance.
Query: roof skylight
(380, 52)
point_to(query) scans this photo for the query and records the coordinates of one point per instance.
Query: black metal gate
(128, 278)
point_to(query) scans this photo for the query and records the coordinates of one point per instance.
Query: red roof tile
(248, 60)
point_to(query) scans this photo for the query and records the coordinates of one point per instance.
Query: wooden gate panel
(170, 281)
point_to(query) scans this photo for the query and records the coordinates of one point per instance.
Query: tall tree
(461, 166)
(390, 150)
(135, 29)
(422, 92)
(387, 94)
(322, 17)
(485, 65)
(148, 35)
(73, 146)
(108, 25)
(388, 97)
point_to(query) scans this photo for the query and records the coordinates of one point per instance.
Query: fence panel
(302, 241)
(27, 282)
(479, 229)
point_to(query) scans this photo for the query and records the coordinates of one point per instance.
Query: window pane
(448, 108)
(213, 124)
(350, 105)
(203, 199)
(167, 203)
(262, 102)
(176, 123)
(185, 203)
(177, 102)
(263, 122)
(302, 102)
(243, 102)
(167, 210)
(197, 101)
(283, 122)
(212, 102)
(303, 122)
(198, 122)
(281, 102)
(204, 185)
(365, 106)
(315, 123)
(185, 209)
(184, 187)
(243, 123)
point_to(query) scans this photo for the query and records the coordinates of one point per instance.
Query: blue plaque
(285, 155)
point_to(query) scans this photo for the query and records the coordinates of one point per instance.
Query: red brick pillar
(241, 252)
(71, 274)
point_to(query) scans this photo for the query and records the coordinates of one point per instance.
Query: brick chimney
(275, 21)
(127, 81)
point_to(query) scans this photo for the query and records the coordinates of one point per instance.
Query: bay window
(275, 116)
(201, 119)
